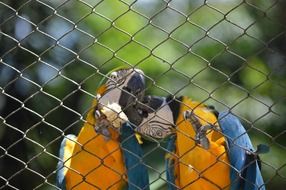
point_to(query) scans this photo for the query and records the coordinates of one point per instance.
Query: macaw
(101, 157)
(206, 150)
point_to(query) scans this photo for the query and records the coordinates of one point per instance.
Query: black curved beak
(134, 90)
(136, 84)
(131, 94)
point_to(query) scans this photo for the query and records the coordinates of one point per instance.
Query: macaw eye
(113, 76)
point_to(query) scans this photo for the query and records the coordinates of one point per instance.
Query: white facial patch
(114, 90)
(158, 124)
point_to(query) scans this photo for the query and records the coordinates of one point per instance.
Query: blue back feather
(239, 144)
(170, 167)
(132, 152)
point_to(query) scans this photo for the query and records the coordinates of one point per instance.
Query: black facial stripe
(121, 81)
(162, 123)
(160, 128)
(155, 131)
(118, 81)
(110, 86)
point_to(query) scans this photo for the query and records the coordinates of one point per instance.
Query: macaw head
(159, 114)
(122, 86)
(160, 117)
(119, 93)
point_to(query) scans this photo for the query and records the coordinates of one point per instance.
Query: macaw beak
(134, 90)
(137, 84)
(131, 94)
(126, 96)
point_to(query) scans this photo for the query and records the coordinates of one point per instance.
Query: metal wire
(53, 53)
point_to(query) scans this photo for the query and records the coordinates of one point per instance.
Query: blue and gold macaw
(101, 158)
(207, 150)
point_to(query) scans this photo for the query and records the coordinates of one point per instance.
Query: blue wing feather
(61, 180)
(170, 167)
(239, 146)
(132, 152)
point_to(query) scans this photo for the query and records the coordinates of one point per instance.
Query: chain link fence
(227, 53)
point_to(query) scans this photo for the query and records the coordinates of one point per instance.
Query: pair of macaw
(206, 149)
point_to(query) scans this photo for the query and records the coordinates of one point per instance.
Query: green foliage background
(228, 53)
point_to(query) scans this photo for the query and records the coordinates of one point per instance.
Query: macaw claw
(200, 130)
(109, 116)
(101, 125)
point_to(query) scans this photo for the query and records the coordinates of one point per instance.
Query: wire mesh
(53, 54)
